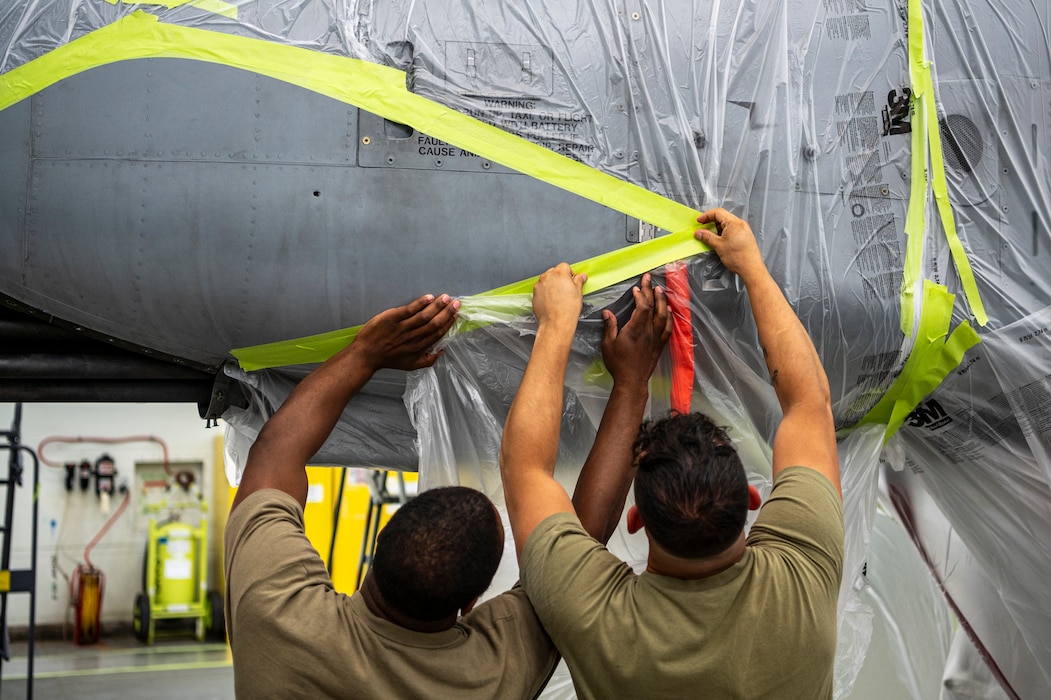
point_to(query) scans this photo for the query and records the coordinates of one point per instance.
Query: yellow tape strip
(927, 142)
(932, 358)
(603, 271)
(915, 224)
(216, 6)
(5, 581)
(618, 265)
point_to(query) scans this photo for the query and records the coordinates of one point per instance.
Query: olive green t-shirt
(764, 628)
(294, 636)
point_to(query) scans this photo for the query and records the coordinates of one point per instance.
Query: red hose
(105, 528)
(103, 441)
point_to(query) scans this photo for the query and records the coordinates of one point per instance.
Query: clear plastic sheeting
(986, 599)
(373, 430)
(469, 392)
(31, 28)
(803, 116)
(912, 631)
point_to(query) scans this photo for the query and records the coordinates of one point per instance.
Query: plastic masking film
(217, 6)
(376, 88)
(459, 406)
(603, 271)
(912, 624)
(869, 145)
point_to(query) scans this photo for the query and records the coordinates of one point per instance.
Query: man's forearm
(399, 338)
(530, 442)
(806, 435)
(535, 418)
(630, 355)
(300, 426)
(311, 410)
(792, 361)
(529, 448)
(609, 469)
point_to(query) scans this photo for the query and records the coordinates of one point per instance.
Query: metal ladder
(23, 580)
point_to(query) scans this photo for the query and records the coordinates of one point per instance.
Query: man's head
(438, 552)
(691, 490)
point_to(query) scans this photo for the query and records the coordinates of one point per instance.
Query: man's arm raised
(630, 354)
(806, 436)
(398, 338)
(530, 441)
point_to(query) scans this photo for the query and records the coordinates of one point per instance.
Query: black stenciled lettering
(896, 113)
(928, 414)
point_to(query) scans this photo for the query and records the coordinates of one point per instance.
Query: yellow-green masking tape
(941, 198)
(915, 224)
(932, 358)
(928, 144)
(380, 90)
(603, 270)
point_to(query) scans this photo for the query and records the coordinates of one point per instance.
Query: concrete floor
(120, 667)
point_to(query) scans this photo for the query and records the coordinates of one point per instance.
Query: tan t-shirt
(764, 628)
(294, 636)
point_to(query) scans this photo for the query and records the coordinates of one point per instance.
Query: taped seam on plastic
(217, 6)
(603, 271)
(925, 109)
(935, 354)
(380, 90)
(681, 345)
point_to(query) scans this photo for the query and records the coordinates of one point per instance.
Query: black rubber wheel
(215, 622)
(140, 621)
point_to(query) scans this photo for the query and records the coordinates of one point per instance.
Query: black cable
(335, 519)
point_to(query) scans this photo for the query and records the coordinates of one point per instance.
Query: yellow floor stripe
(190, 666)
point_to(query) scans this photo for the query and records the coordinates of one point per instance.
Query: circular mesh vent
(961, 142)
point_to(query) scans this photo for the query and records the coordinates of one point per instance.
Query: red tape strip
(681, 343)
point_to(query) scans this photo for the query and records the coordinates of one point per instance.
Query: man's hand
(631, 354)
(733, 241)
(401, 338)
(558, 296)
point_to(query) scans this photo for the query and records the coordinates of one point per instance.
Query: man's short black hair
(691, 488)
(438, 552)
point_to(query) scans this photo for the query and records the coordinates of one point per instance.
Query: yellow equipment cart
(175, 570)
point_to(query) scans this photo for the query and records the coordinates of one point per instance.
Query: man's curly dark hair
(691, 488)
(438, 552)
